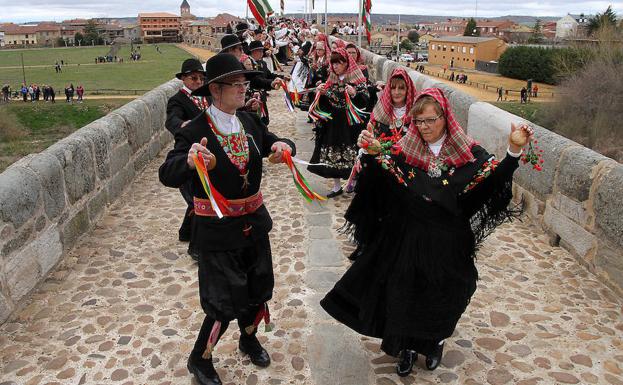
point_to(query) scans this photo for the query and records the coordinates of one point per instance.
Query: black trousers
(186, 226)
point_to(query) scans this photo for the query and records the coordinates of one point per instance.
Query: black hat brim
(229, 46)
(180, 74)
(205, 90)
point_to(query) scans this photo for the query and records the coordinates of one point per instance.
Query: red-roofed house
(159, 27)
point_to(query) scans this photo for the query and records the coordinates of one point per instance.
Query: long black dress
(416, 275)
(336, 140)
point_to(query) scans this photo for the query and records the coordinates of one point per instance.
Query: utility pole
(398, 46)
(326, 19)
(23, 70)
(360, 20)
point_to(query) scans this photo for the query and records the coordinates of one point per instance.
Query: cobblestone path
(122, 307)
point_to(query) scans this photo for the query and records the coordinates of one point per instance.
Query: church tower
(185, 9)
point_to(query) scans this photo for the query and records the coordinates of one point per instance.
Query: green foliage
(608, 19)
(79, 39)
(470, 28)
(60, 42)
(528, 63)
(91, 37)
(413, 36)
(537, 34)
(406, 45)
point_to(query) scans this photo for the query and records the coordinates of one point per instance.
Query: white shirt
(226, 123)
(436, 147)
(187, 90)
(400, 111)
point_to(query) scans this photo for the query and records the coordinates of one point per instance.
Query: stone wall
(48, 200)
(577, 197)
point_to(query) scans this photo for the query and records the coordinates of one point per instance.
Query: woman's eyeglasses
(428, 121)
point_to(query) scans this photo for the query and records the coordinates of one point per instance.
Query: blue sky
(63, 9)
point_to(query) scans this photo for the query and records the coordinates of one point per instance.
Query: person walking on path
(500, 93)
(80, 93)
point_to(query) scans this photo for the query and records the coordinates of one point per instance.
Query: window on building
(445, 47)
(452, 49)
(471, 50)
(464, 49)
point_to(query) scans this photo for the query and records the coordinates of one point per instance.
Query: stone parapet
(576, 198)
(48, 200)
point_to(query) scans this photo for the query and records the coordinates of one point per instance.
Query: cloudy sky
(20, 11)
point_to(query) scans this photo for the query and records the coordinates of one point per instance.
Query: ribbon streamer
(353, 114)
(217, 201)
(299, 180)
(315, 113)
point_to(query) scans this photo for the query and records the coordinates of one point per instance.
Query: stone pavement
(122, 307)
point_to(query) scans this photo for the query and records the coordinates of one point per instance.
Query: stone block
(336, 356)
(579, 241)
(19, 239)
(317, 232)
(460, 102)
(97, 203)
(388, 68)
(490, 126)
(120, 181)
(119, 158)
(154, 148)
(6, 308)
(313, 301)
(22, 274)
(156, 101)
(75, 226)
(531, 206)
(378, 68)
(46, 249)
(609, 263)
(138, 120)
(141, 159)
(319, 220)
(116, 127)
(101, 140)
(48, 169)
(20, 190)
(578, 167)
(171, 87)
(75, 154)
(325, 253)
(571, 208)
(321, 280)
(607, 204)
(165, 139)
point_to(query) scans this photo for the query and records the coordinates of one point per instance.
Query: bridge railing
(48, 200)
(577, 197)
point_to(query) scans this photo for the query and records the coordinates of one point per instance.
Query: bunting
(261, 10)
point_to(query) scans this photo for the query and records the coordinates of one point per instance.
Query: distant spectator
(80, 93)
(535, 91)
(6, 93)
(500, 93)
(51, 94)
(69, 93)
(31, 92)
(24, 92)
(524, 95)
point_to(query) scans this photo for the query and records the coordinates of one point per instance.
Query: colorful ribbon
(262, 314)
(299, 180)
(353, 114)
(315, 113)
(212, 340)
(217, 201)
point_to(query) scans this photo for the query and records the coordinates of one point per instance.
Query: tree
(537, 34)
(406, 44)
(528, 63)
(470, 28)
(413, 36)
(91, 36)
(79, 38)
(60, 42)
(608, 19)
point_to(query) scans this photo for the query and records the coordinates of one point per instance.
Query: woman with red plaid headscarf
(339, 119)
(441, 195)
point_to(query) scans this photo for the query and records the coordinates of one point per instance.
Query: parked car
(406, 57)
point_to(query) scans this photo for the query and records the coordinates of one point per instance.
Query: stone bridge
(96, 289)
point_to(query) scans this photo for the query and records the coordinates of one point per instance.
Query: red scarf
(383, 111)
(456, 149)
(352, 75)
(200, 101)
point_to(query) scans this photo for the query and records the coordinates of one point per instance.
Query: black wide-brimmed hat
(190, 66)
(241, 27)
(219, 67)
(255, 44)
(229, 41)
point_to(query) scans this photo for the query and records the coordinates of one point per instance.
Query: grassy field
(27, 128)
(531, 111)
(153, 69)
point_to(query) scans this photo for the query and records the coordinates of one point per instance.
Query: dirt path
(202, 53)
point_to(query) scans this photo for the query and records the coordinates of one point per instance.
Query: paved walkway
(122, 307)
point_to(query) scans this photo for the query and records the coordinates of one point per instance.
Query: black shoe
(434, 359)
(357, 253)
(333, 194)
(205, 374)
(405, 365)
(251, 346)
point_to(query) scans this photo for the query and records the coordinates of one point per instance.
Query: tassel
(268, 326)
(212, 340)
(263, 314)
(315, 113)
(299, 180)
(353, 114)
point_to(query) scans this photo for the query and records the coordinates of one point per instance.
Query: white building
(1, 38)
(571, 26)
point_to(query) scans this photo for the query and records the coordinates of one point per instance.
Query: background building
(464, 51)
(572, 26)
(159, 27)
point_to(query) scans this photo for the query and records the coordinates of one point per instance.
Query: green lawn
(531, 111)
(152, 70)
(27, 128)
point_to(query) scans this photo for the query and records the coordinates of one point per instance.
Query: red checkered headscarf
(358, 59)
(321, 39)
(456, 149)
(339, 43)
(352, 75)
(383, 111)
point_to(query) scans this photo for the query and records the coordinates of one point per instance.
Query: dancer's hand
(520, 136)
(200, 150)
(367, 142)
(278, 148)
(351, 90)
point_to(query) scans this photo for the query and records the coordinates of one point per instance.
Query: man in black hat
(241, 29)
(231, 44)
(181, 109)
(235, 263)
